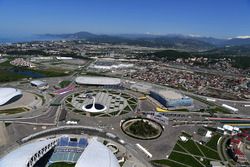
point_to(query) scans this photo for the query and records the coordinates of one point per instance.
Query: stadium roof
(6, 94)
(169, 94)
(89, 80)
(38, 83)
(21, 156)
(95, 155)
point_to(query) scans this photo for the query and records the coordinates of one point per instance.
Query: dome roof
(95, 155)
(6, 94)
(21, 156)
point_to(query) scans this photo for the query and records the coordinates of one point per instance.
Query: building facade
(171, 102)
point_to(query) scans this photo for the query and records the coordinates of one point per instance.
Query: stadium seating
(68, 150)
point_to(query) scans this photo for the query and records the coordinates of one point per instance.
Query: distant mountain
(78, 35)
(211, 40)
(172, 41)
(242, 50)
(167, 41)
(237, 42)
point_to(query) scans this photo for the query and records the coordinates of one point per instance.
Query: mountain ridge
(210, 41)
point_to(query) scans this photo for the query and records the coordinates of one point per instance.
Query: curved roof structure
(94, 107)
(88, 80)
(22, 155)
(95, 155)
(6, 94)
(38, 83)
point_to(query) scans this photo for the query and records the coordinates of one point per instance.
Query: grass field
(209, 152)
(13, 111)
(191, 147)
(185, 159)
(8, 75)
(214, 108)
(212, 143)
(64, 83)
(177, 147)
(168, 163)
(191, 153)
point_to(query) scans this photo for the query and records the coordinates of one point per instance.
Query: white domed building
(81, 152)
(9, 94)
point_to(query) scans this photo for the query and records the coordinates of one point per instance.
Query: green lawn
(214, 108)
(49, 72)
(208, 152)
(212, 143)
(64, 83)
(178, 148)
(191, 155)
(205, 162)
(9, 76)
(167, 162)
(191, 147)
(185, 159)
(13, 111)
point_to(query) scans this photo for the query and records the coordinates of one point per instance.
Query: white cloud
(243, 37)
(194, 35)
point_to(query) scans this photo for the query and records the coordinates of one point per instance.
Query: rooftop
(38, 83)
(90, 80)
(95, 154)
(7, 94)
(169, 94)
(21, 156)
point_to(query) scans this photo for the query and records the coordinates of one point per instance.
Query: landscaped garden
(191, 153)
(142, 128)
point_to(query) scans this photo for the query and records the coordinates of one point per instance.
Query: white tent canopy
(95, 155)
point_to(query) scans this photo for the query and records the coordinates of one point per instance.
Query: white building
(27, 155)
(7, 94)
(91, 80)
(95, 155)
(40, 84)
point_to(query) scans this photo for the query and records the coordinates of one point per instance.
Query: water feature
(27, 73)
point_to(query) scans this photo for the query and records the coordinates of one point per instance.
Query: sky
(216, 18)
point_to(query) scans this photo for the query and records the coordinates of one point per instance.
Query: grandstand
(68, 150)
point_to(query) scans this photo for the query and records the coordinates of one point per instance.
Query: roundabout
(142, 128)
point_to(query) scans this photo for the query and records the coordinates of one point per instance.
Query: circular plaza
(100, 103)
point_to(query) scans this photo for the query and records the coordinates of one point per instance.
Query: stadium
(39, 84)
(109, 65)
(105, 81)
(8, 95)
(68, 151)
(171, 99)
